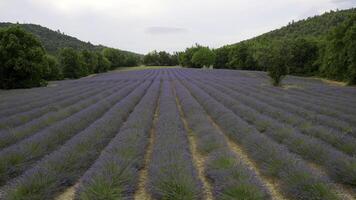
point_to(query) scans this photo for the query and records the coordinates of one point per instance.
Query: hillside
(55, 40)
(318, 26)
(317, 46)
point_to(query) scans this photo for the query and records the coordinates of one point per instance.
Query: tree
(90, 60)
(204, 57)
(103, 64)
(277, 58)
(161, 58)
(185, 58)
(240, 57)
(21, 59)
(304, 54)
(339, 58)
(222, 57)
(72, 63)
(351, 54)
(151, 59)
(131, 60)
(116, 57)
(53, 71)
(164, 58)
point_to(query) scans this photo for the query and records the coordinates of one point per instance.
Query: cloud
(158, 30)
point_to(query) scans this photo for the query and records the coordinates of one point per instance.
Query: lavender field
(178, 134)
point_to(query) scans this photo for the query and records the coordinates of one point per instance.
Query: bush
(21, 59)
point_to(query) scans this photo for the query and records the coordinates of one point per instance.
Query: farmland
(178, 134)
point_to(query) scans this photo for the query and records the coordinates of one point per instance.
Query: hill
(53, 41)
(317, 46)
(318, 26)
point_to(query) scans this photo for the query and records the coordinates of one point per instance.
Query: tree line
(24, 62)
(160, 58)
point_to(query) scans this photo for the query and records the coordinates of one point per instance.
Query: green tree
(338, 56)
(161, 58)
(350, 39)
(240, 57)
(72, 63)
(185, 58)
(222, 57)
(304, 54)
(53, 71)
(277, 58)
(21, 59)
(151, 59)
(103, 64)
(131, 60)
(116, 57)
(204, 57)
(90, 60)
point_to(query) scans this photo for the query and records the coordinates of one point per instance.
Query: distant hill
(317, 46)
(317, 26)
(53, 41)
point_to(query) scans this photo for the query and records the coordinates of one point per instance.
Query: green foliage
(53, 71)
(222, 57)
(240, 57)
(278, 61)
(339, 61)
(351, 54)
(103, 64)
(185, 58)
(303, 58)
(120, 58)
(204, 57)
(131, 60)
(318, 46)
(90, 60)
(72, 63)
(22, 59)
(161, 58)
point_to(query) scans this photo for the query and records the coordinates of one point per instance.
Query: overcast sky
(144, 25)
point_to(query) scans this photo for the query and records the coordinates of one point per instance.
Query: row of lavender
(114, 175)
(29, 175)
(63, 167)
(229, 176)
(273, 160)
(18, 157)
(42, 158)
(339, 166)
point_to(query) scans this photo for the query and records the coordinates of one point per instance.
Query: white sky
(144, 25)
